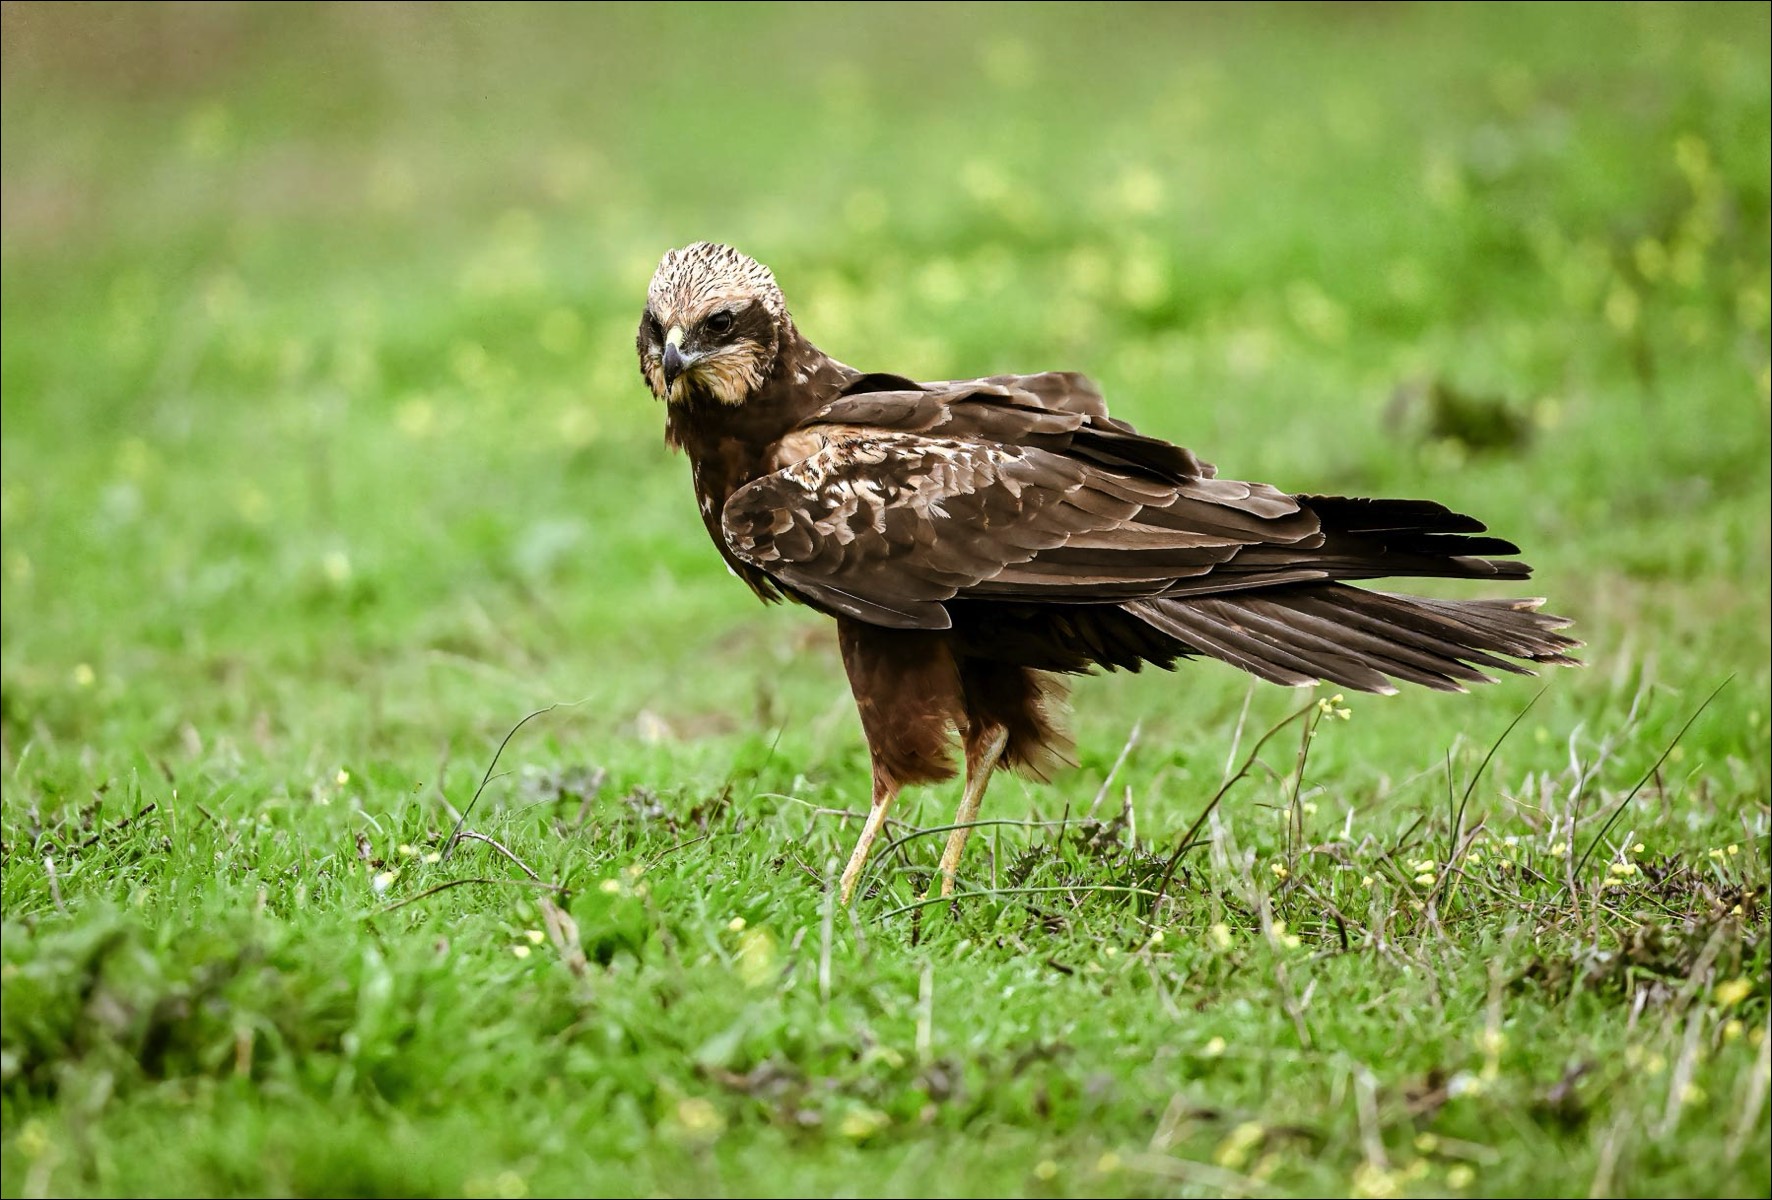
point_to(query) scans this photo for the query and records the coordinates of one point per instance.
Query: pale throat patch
(729, 376)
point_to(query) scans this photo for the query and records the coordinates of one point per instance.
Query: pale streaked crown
(695, 279)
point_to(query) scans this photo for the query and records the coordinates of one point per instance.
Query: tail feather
(1516, 627)
(1362, 639)
(1199, 631)
(1391, 650)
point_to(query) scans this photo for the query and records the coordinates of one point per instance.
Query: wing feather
(884, 522)
(891, 503)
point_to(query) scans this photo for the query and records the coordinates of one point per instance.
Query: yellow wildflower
(1732, 992)
(1234, 1150)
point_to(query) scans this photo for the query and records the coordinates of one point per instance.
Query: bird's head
(713, 325)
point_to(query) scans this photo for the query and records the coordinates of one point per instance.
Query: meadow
(326, 462)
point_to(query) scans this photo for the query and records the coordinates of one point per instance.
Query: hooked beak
(674, 362)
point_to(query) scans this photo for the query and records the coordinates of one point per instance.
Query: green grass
(326, 460)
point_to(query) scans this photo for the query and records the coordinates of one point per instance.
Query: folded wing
(898, 501)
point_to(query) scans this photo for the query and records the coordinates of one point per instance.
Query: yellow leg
(884, 794)
(980, 763)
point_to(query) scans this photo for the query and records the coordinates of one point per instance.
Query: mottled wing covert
(885, 525)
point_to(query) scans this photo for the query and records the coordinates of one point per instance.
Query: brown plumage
(975, 539)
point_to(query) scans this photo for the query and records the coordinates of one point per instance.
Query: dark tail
(1358, 639)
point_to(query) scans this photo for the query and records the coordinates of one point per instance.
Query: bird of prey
(976, 540)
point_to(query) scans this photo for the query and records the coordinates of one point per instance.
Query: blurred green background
(326, 458)
(318, 318)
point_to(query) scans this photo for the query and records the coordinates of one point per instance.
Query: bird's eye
(654, 331)
(719, 324)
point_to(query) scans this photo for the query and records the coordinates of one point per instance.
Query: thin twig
(822, 811)
(824, 934)
(1101, 792)
(669, 850)
(455, 834)
(1237, 734)
(956, 897)
(1388, 858)
(931, 830)
(1458, 818)
(1452, 872)
(1647, 775)
(119, 827)
(233, 838)
(469, 834)
(1295, 814)
(1187, 839)
(445, 886)
(55, 887)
